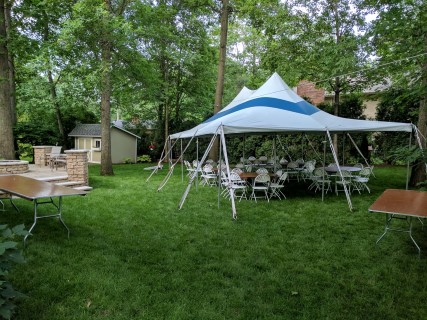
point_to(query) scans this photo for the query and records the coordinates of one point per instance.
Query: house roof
(93, 130)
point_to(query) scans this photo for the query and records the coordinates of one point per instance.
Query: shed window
(97, 144)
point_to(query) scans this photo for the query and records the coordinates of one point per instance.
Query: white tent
(276, 108)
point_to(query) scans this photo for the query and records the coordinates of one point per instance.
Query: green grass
(133, 255)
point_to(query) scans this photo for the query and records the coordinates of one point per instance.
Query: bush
(144, 158)
(9, 253)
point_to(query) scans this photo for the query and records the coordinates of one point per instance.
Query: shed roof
(93, 130)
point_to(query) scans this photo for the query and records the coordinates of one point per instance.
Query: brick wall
(40, 157)
(77, 165)
(307, 89)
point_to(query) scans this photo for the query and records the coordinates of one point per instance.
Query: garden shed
(123, 142)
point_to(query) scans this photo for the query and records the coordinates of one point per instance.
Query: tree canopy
(157, 61)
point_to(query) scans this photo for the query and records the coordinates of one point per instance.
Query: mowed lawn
(133, 255)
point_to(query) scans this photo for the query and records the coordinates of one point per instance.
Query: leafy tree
(316, 40)
(399, 38)
(395, 105)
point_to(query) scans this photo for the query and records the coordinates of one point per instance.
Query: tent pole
(162, 157)
(407, 163)
(347, 194)
(197, 168)
(274, 154)
(343, 149)
(244, 146)
(182, 164)
(219, 174)
(315, 151)
(171, 168)
(284, 149)
(227, 166)
(195, 174)
(324, 165)
(358, 150)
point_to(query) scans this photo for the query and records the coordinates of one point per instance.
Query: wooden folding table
(39, 192)
(406, 204)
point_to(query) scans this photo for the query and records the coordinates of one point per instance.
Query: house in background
(318, 95)
(123, 142)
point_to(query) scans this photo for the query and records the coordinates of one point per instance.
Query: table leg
(58, 214)
(388, 218)
(410, 235)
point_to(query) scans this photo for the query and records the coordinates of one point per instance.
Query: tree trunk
(52, 87)
(106, 163)
(7, 14)
(221, 70)
(57, 109)
(7, 149)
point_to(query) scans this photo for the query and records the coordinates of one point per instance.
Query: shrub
(144, 158)
(9, 253)
(127, 160)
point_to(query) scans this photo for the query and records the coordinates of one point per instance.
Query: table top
(334, 169)
(403, 202)
(32, 189)
(248, 175)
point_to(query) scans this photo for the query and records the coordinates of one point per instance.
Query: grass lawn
(133, 255)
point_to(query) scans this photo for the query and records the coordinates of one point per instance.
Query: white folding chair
(343, 183)
(276, 187)
(261, 184)
(360, 182)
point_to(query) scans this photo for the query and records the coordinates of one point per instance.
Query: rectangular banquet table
(38, 191)
(251, 175)
(406, 204)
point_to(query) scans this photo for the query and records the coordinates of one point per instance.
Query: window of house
(97, 144)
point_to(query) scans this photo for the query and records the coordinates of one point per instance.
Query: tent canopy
(275, 107)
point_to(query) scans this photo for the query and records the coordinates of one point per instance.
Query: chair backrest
(283, 161)
(240, 165)
(319, 172)
(365, 172)
(56, 151)
(346, 174)
(308, 167)
(235, 177)
(251, 158)
(292, 165)
(263, 159)
(358, 165)
(299, 161)
(279, 173)
(207, 168)
(262, 178)
(283, 177)
(270, 161)
(237, 170)
(261, 170)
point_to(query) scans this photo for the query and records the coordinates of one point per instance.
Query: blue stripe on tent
(302, 107)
